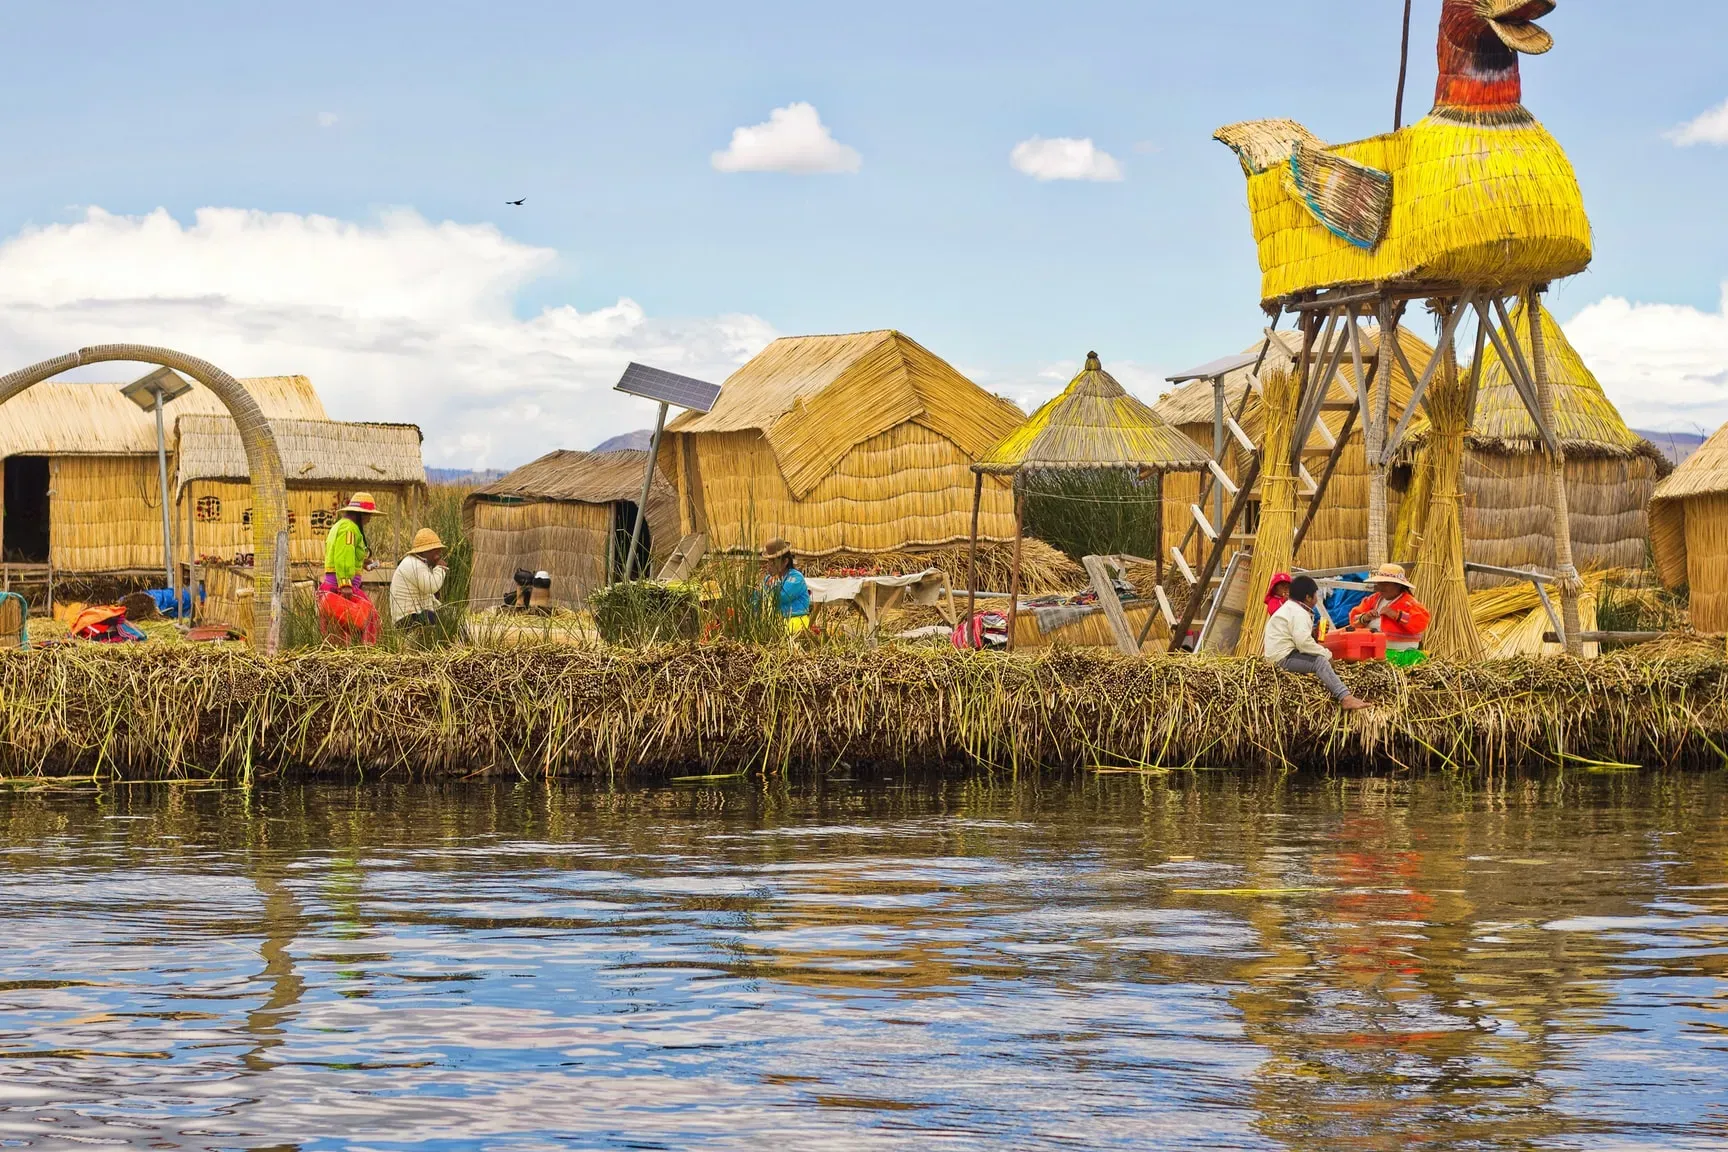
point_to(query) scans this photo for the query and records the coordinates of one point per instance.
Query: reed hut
(859, 443)
(1611, 471)
(1339, 533)
(81, 493)
(324, 461)
(1093, 425)
(571, 515)
(1689, 531)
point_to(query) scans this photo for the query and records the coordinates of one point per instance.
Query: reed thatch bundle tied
(1275, 542)
(1439, 575)
(728, 708)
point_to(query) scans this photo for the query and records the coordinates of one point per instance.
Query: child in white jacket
(1290, 643)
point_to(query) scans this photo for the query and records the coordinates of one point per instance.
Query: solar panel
(1216, 368)
(668, 387)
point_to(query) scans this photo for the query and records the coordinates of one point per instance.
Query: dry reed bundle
(729, 707)
(1439, 576)
(1042, 568)
(1275, 541)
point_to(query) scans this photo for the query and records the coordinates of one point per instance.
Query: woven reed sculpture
(1275, 542)
(1475, 203)
(1439, 575)
(269, 492)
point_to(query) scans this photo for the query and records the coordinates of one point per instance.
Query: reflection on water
(1116, 962)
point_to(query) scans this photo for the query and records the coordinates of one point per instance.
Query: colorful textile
(347, 618)
(345, 550)
(1338, 602)
(792, 595)
(1404, 618)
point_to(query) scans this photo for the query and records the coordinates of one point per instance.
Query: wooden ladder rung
(1182, 565)
(1302, 475)
(1206, 528)
(1164, 608)
(1223, 478)
(1241, 437)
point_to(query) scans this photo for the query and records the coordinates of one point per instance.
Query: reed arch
(264, 462)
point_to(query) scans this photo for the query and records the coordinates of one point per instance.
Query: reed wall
(1508, 522)
(105, 513)
(222, 521)
(907, 487)
(1707, 560)
(565, 538)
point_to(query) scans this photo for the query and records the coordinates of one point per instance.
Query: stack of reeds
(1439, 575)
(543, 711)
(1274, 541)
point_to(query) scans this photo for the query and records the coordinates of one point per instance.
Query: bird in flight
(516, 203)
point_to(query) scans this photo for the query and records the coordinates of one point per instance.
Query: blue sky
(606, 118)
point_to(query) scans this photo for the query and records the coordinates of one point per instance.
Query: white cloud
(327, 119)
(1665, 366)
(1708, 128)
(793, 140)
(1064, 158)
(394, 319)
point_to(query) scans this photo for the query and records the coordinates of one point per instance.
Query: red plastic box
(1355, 644)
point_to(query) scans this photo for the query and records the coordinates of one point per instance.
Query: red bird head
(1479, 45)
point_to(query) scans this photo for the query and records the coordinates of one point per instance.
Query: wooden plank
(1223, 477)
(1206, 528)
(1215, 555)
(1105, 587)
(1548, 607)
(1302, 475)
(1182, 565)
(1513, 573)
(1164, 608)
(1615, 637)
(1240, 436)
(684, 558)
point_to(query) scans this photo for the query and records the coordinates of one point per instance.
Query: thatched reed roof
(1093, 423)
(313, 451)
(1586, 421)
(1704, 473)
(61, 418)
(1191, 404)
(815, 398)
(583, 477)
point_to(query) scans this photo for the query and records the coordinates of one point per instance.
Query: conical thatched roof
(1585, 419)
(1094, 423)
(1704, 473)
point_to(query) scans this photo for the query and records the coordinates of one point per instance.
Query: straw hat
(362, 502)
(775, 549)
(426, 540)
(1391, 574)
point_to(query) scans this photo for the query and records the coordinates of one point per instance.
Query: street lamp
(150, 393)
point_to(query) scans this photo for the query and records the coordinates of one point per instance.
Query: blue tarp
(165, 601)
(1339, 601)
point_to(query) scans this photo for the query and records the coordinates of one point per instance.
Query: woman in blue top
(780, 575)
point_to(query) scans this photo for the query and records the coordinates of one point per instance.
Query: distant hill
(637, 441)
(462, 475)
(1674, 445)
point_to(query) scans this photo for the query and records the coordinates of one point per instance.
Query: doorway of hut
(623, 524)
(26, 510)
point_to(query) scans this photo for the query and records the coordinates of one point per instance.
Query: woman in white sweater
(417, 581)
(1290, 643)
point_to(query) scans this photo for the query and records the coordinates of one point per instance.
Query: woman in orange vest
(1393, 611)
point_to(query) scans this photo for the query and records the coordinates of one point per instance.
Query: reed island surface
(695, 710)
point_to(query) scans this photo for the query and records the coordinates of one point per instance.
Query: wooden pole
(1374, 436)
(1218, 444)
(191, 559)
(1403, 70)
(972, 558)
(647, 487)
(1570, 585)
(1014, 574)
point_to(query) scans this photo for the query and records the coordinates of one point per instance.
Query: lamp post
(151, 393)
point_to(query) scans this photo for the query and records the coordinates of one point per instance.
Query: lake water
(1102, 962)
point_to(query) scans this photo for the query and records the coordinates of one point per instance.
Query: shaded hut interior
(570, 514)
(858, 443)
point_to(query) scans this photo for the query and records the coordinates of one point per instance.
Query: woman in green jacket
(344, 610)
